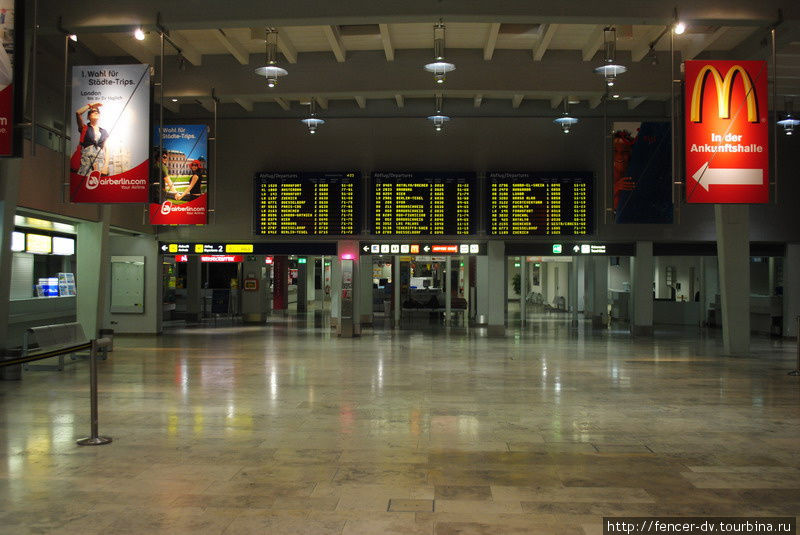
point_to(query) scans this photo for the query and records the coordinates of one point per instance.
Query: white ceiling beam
(322, 102)
(642, 47)
(207, 103)
(132, 47)
(246, 104)
(236, 50)
(547, 36)
(555, 102)
(388, 48)
(361, 101)
(491, 41)
(283, 103)
(695, 49)
(174, 107)
(594, 43)
(286, 47)
(516, 100)
(634, 102)
(595, 101)
(477, 101)
(187, 51)
(400, 101)
(335, 40)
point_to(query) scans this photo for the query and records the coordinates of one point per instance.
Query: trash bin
(108, 333)
(11, 373)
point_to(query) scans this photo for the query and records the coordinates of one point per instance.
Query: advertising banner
(182, 171)
(727, 132)
(642, 162)
(10, 61)
(111, 106)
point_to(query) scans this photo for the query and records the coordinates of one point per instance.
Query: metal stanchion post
(94, 439)
(796, 371)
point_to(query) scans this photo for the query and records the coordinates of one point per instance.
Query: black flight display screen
(540, 204)
(318, 204)
(424, 204)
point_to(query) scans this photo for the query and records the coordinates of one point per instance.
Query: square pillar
(496, 287)
(733, 251)
(642, 289)
(791, 289)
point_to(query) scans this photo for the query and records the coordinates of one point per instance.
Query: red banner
(170, 213)
(727, 132)
(130, 186)
(6, 120)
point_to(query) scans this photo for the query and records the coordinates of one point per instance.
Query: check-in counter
(667, 312)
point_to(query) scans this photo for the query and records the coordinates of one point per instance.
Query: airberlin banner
(11, 28)
(179, 175)
(110, 127)
(727, 134)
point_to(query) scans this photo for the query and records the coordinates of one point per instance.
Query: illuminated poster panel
(424, 204)
(11, 63)
(642, 172)
(540, 204)
(179, 176)
(301, 203)
(109, 134)
(727, 132)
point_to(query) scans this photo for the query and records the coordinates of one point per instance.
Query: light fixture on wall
(439, 67)
(312, 121)
(566, 121)
(138, 34)
(271, 70)
(438, 118)
(789, 121)
(679, 27)
(610, 69)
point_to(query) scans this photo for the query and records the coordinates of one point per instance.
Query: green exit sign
(556, 248)
(301, 260)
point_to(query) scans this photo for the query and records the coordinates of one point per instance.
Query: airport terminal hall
(431, 267)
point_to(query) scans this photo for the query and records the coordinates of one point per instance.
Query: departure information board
(306, 203)
(423, 204)
(540, 204)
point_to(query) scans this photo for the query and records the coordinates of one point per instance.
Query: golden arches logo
(724, 89)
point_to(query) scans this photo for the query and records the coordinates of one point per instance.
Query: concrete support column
(194, 288)
(280, 284)
(93, 272)
(642, 289)
(9, 190)
(791, 289)
(302, 285)
(365, 289)
(311, 270)
(543, 278)
(733, 251)
(396, 298)
(336, 291)
(573, 290)
(254, 306)
(448, 291)
(495, 283)
(600, 291)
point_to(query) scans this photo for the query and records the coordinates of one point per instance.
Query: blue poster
(642, 165)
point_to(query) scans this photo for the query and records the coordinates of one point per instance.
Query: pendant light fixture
(566, 121)
(271, 71)
(610, 69)
(789, 121)
(439, 67)
(312, 121)
(438, 118)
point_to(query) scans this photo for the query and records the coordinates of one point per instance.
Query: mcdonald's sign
(727, 135)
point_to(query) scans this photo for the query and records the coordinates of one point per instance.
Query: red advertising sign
(727, 134)
(10, 61)
(222, 258)
(170, 212)
(444, 248)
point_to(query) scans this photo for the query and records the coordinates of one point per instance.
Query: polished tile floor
(290, 430)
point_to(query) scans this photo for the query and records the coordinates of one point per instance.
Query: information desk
(320, 204)
(540, 204)
(424, 204)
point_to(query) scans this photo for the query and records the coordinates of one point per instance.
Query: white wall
(150, 320)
